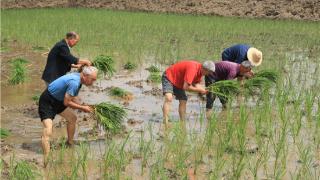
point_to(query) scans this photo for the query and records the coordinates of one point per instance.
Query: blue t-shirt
(69, 83)
(236, 53)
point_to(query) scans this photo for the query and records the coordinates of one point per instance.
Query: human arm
(70, 101)
(195, 88)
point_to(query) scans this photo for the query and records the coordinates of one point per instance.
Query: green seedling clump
(24, 170)
(257, 83)
(225, 88)
(4, 133)
(110, 116)
(18, 72)
(269, 74)
(153, 69)
(104, 64)
(154, 77)
(130, 66)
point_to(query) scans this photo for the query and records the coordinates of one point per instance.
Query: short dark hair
(71, 35)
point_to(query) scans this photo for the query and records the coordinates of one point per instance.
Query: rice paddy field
(271, 134)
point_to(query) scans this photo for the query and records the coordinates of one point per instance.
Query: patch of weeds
(22, 170)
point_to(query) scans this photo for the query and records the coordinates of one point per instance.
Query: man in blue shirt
(59, 95)
(242, 52)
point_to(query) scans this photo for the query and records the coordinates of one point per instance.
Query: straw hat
(254, 56)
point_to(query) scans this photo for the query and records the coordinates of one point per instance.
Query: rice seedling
(104, 64)
(153, 69)
(18, 72)
(255, 84)
(130, 66)
(22, 170)
(268, 74)
(118, 92)
(227, 88)
(4, 133)
(154, 77)
(110, 116)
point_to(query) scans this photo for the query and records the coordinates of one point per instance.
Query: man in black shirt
(60, 60)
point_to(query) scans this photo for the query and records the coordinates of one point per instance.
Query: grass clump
(18, 72)
(105, 64)
(153, 69)
(110, 116)
(130, 66)
(225, 88)
(23, 170)
(154, 78)
(116, 91)
(4, 133)
(268, 74)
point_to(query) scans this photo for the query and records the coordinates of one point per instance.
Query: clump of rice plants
(257, 83)
(104, 64)
(110, 116)
(269, 74)
(130, 66)
(23, 170)
(121, 93)
(19, 71)
(153, 69)
(225, 88)
(4, 133)
(154, 77)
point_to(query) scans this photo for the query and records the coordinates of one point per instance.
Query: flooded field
(276, 136)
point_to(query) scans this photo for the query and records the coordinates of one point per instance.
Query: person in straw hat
(242, 52)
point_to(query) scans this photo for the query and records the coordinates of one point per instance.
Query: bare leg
(166, 108)
(46, 134)
(71, 123)
(208, 114)
(182, 109)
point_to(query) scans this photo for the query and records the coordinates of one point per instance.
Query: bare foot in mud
(191, 174)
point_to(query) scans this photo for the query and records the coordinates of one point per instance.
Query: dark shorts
(210, 96)
(49, 107)
(168, 87)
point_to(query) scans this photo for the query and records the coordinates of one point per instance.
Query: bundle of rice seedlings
(24, 170)
(104, 64)
(4, 133)
(130, 66)
(226, 88)
(269, 74)
(110, 116)
(153, 69)
(257, 83)
(121, 93)
(154, 77)
(19, 71)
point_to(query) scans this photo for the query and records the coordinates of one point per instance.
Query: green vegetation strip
(4, 133)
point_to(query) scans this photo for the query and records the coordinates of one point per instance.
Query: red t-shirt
(184, 71)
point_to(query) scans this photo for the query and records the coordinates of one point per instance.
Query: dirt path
(278, 9)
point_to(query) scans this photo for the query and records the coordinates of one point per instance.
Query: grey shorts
(168, 87)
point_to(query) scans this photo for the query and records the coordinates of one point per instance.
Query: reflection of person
(60, 60)
(180, 77)
(59, 95)
(225, 70)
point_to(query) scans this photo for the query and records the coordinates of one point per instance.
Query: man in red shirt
(180, 77)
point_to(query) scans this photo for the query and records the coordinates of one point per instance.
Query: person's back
(184, 71)
(236, 53)
(58, 62)
(226, 70)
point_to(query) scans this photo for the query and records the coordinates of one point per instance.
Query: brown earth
(275, 9)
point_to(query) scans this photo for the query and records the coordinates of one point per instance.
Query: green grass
(4, 133)
(130, 66)
(154, 77)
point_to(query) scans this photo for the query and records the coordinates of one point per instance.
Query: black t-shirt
(59, 62)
